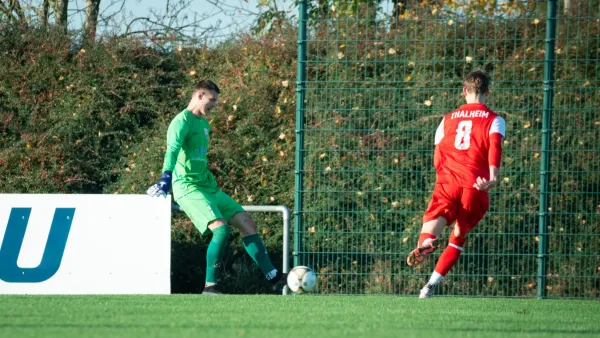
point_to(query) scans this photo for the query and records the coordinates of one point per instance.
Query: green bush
(94, 121)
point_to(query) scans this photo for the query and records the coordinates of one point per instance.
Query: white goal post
(286, 230)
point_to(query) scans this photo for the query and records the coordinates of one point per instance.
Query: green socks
(252, 244)
(255, 248)
(216, 250)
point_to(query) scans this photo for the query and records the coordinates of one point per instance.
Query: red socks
(450, 255)
(423, 237)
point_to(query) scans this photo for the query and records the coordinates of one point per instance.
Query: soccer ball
(301, 279)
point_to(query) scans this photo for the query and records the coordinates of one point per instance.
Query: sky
(237, 14)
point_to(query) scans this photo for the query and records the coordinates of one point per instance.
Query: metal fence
(375, 79)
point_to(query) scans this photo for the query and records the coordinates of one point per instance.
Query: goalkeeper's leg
(202, 209)
(238, 218)
(255, 248)
(215, 253)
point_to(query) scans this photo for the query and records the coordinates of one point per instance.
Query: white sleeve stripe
(498, 126)
(439, 133)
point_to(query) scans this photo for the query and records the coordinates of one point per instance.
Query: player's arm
(495, 156)
(497, 132)
(176, 134)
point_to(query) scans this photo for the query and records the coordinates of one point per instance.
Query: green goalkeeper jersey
(187, 147)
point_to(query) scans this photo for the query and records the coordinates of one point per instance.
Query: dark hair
(207, 85)
(477, 82)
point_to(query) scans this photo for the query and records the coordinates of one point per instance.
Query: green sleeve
(176, 134)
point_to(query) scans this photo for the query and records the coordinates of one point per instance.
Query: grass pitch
(293, 316)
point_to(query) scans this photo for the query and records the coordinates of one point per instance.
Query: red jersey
(463, 143)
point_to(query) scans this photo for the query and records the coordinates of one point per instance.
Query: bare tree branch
(162, 27)
(106, 18)
(16, 7)
(6, 11)
(230, 8)
(176, 22)
(175, 19)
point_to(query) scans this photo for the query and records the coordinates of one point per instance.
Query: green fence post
(545, 161)
(300, 92)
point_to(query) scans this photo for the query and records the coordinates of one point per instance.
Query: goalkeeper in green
(195, 189)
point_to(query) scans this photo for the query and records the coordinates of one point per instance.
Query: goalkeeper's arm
(175, 135)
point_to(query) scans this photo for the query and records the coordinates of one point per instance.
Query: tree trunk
(45, 13)
(92, 8)
(567, 8)
(60, 12)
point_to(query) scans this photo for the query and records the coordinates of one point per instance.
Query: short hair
(206, 85)
(477, 82)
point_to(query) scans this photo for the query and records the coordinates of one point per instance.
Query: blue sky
(231, 19)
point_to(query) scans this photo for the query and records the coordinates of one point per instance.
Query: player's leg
(240, 219)
(473, 206)
(429, 241)
(215, 253)
(448, 258)
(253, 244)
(440, 213)
(256, 249)
(202, 209)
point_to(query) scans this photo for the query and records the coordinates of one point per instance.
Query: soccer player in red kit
(468, 152)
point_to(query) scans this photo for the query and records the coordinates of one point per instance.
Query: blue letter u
(10, 272)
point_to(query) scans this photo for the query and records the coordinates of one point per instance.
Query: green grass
(293, 316)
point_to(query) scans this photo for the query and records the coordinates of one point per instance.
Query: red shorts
(466, 206)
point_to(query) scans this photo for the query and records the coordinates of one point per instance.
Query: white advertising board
(84, 244)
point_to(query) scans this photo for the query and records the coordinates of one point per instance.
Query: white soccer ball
(301, 279)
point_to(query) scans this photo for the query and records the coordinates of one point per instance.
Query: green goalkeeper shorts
(203, 208)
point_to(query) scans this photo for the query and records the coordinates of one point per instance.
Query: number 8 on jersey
(463, 135)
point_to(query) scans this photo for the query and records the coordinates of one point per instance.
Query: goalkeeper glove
(162, 187)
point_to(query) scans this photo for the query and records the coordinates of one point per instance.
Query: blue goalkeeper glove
(162, 187)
